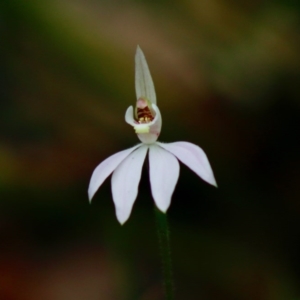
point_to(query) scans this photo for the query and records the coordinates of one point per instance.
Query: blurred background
(227, 76)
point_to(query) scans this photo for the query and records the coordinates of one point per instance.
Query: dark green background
(227, 78)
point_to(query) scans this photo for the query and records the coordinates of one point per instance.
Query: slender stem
(165, 252)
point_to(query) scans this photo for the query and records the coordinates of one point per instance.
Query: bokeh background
(227, 78)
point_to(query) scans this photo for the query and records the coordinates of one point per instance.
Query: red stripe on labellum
(143, 112)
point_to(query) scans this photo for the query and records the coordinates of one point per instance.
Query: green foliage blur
(227, 76)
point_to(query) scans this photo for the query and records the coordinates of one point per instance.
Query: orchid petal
(193, 157)
(125, 181)
(105, 168)
(164, 172)
(129, 116)
(144, 86)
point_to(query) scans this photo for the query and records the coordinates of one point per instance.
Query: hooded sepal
(144, 86)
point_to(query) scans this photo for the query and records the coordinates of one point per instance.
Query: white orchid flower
(126, 165)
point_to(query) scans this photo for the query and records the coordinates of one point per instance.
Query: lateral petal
(129, 116)
(164, 173)
(125, 181)
(144, 86)
(193, 157)
(105, 168)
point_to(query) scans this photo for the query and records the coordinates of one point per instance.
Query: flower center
(143, 112)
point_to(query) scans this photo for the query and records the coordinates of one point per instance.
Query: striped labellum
(143, 111)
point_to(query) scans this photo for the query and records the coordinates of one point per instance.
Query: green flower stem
(165, 252)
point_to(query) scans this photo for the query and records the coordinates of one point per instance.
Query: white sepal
(144, 86)
(125, 181)
(105, 168)
(193, 157)
(164, 172)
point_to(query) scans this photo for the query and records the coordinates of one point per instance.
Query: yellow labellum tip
(142, 128)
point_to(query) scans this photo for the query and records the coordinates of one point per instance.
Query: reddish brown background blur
(227, 76)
